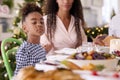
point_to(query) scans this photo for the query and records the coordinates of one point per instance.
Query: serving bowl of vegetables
(109, 61)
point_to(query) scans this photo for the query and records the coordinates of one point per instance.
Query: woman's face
(65, 5)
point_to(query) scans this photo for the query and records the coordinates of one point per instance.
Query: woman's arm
(84, 37)
(46, 43)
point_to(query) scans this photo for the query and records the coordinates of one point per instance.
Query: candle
(114, 45)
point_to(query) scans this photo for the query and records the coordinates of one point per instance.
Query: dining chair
(5, 54)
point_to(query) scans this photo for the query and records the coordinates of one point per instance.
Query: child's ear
(24, 28)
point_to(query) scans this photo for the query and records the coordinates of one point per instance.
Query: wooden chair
(6, 53)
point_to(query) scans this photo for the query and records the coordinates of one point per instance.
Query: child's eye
(41, 22)
(34, 22)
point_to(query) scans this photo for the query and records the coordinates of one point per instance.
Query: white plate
(49, 65)
(44, 67)
(56, 57)
(91, 77)
(87, 75)
(67, 51)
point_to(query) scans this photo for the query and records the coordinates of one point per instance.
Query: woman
(64, 25)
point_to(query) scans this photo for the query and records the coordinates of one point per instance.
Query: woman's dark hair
(29, 8)
(76, 11)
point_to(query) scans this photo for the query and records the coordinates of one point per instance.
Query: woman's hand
(48, 47)
(99, 40)
(107, 40)
(103, 40)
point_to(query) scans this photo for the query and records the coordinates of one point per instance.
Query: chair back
(6, 53)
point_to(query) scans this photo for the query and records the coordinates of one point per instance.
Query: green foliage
(16, 21)
(2, 70)
(99, 67)
(9, 3)
(93, 32)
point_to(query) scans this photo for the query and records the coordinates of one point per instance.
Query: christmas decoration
(18, 34)
(93, 32)
(9, 3)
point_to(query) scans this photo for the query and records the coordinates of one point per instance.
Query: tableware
(87, 46)
(49, 65)
(67, 51)
(114, 45)
(56, 57)
(101, 75)
(44, 67)
(109, 64)
(102, 49)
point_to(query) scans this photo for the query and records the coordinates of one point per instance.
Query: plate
(101, 75)
(67, 51)
(56, 57)
(44, 67)
(92, 77)
(49, 65)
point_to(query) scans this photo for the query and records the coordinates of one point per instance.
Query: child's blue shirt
(28, 55)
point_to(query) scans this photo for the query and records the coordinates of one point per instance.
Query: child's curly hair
(29, 8)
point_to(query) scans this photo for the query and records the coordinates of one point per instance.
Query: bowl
(109, 64)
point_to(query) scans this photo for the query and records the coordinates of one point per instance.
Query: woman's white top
(62, 38)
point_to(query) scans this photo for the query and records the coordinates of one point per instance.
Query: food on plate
(107, 76)
(93, 67)
(92, 55)
(90, 66)
(70, 65)
(63, 74)
(94, 73)
(30, 73)
(117, 53)
(106, 60)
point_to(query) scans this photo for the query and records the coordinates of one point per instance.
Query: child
(31, 52)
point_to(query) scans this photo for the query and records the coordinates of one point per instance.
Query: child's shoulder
(27, 47)
(23, 47)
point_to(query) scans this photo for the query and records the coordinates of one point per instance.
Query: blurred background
(97, 14)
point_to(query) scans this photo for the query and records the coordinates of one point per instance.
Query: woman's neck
(33, 39)
(63, 15)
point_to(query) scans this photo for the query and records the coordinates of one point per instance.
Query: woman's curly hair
(76, 10)
(29, 8)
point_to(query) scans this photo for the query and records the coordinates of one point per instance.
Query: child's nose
(66, 1)
(39, 24)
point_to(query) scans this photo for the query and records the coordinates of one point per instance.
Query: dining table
(63, 54)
